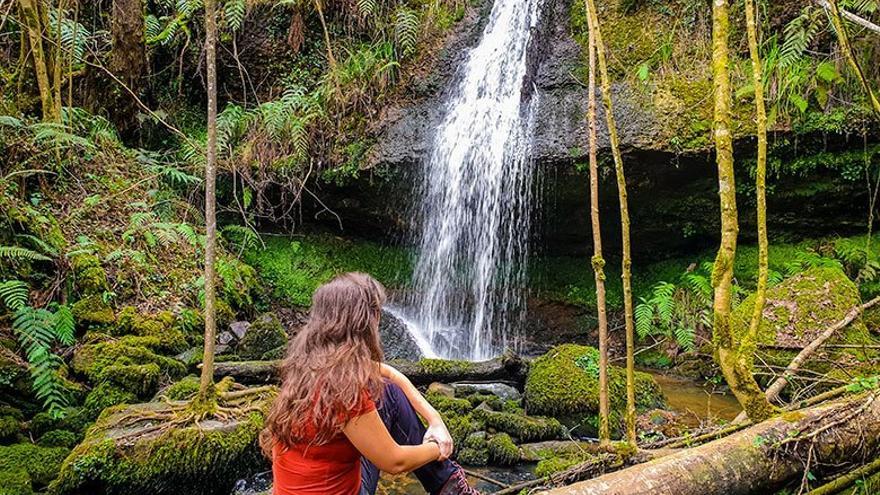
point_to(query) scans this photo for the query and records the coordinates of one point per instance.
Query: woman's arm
(368, 434)
(436, 428)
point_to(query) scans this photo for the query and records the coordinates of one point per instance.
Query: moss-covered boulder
(163, 326)
(263, 340)
(797, 311)
(93, 311)
(502, 450)
(105, 395)
(524, 428)
(183, 389)
(10, 425)
(89, 276)
(25, 467)
(205, 459)
(564, 383)
(130, 363)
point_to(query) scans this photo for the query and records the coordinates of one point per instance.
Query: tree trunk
(760, 459)
(626, 257)
(735, 364)
(597, 261)
(33, 22)
(507, 368)
(206, 383)
(128, 58)
(843, 40)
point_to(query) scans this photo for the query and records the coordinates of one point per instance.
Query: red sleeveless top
(333, 468)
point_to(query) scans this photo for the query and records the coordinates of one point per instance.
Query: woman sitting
(342, 415)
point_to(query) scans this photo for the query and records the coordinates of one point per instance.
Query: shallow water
(698, 402)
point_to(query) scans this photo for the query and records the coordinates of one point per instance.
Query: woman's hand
(438, 433)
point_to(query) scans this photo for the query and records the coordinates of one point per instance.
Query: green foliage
(677, 311)
(406, 30)
(502, 450)
(17, 253)
(264, 336)
(30, 466)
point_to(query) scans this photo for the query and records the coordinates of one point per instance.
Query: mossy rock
(799, 309)
(502, 450)
(59, 438)
(73, 419)
(91, 360)
(116, 461)
(162, 326)
(524, 428)
(264, 336)
(449, 405)
(92, 310)
(183, 389)
(106, 395)
(557, 386)
(89, 276)
(10, 428)
(39, 464)
(474, 450)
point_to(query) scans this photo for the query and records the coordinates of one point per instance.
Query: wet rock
(501, 390)
(397, 341)
(225, 338)
(239, 328)
(262, 340)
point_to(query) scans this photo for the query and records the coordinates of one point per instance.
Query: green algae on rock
(263, 337)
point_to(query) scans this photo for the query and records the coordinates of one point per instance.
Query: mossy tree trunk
(128, 58)
(735, 354)
(597, 261)
(207, 379)
(33, 15)
(626, 257)
(843, 41)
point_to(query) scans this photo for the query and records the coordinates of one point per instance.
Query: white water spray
(467, 299)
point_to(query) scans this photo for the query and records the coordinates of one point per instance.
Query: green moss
(93, 310)
(264, 336)
(491, 400)
(162, 326)
(556, 464)
(183, 389)
(557, 386)
(59, 438)
(75, 419)
(444, 367)
(502, 450)
(90, 360)
(475, 450)
(797, 310)
(106, 395)
(40, 463)
(178, 461)
(10, 428)
(295, 268)
(90, 277)
(524, 428)
(449, 405)
(15, 482)
(461, 426)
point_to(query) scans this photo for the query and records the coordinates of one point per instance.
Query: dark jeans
(405, 428)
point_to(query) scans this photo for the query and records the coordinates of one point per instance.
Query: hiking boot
(457, 485)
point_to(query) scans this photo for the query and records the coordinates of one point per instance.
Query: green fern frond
(41, 244)
(14, 294)
(65, 325)
(406, 29)
(644, 315)
(234, 12)
(17, 253)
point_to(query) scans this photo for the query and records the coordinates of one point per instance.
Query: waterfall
(467, 296)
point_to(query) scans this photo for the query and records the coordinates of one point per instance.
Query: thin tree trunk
(626, 257)
(853, 18)
(206, 382)
(33, 21)
(57, 70)
(843, 39)
(735, 364)
(597, 261)
(330, 58)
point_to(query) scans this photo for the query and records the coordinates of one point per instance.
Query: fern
(244, 237)
(799, 34)
(65, 325)
(644, 315)
(235, 12)
(14, 294)
(406, 29)
(368, 8)
(37, 330)
(17, 253)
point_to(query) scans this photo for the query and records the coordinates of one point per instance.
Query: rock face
(797, 311)
(397, 342)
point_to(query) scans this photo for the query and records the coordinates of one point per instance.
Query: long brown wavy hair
(329, 365)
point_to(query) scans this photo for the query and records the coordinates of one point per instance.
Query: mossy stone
(183, 389)
(10, 428)
(502, 450)
(474, 450)
(557, 386)
(524, 428)
(74, 419)
(265, 335)
(799, 309)
(91, 360)
(177, 461)
(59, 438)
(92, 310)
(40, 463)
(106, 395)
(162, 326)
(90, 277)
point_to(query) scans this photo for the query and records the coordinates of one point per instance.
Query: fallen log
(760, 459)
(506, 368)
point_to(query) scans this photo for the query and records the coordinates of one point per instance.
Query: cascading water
(467, 298)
